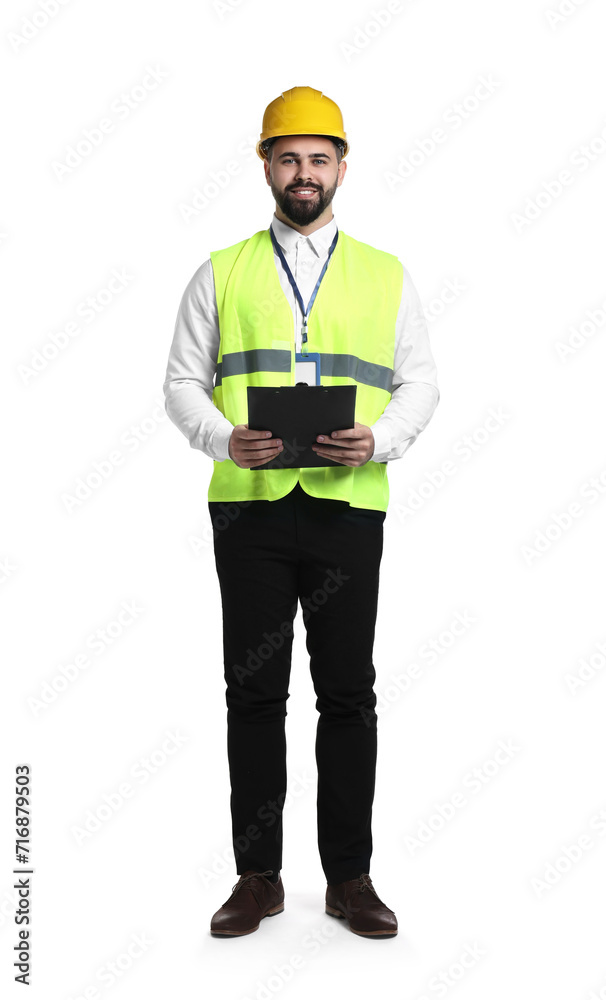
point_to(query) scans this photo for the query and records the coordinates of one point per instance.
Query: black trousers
(271, 554)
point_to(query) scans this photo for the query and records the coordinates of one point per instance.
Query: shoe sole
(249, 930)
(337, 913)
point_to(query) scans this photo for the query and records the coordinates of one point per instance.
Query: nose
(302, 180)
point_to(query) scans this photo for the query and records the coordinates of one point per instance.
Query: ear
(266, 168)
(341, 172)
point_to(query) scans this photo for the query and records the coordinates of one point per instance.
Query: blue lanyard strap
(295, 287)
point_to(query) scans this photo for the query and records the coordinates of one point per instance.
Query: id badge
(307, 369)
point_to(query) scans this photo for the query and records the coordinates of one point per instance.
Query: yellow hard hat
(302, 111)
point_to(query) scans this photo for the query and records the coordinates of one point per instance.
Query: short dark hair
(338, 143)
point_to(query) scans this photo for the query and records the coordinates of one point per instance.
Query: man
(250, 316)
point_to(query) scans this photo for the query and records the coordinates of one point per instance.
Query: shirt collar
(319, 240)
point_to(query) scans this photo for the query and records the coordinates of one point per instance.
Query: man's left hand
(353, 446)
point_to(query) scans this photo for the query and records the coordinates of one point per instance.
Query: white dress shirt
(192, 361)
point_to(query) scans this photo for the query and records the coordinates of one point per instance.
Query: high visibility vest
(351, 326)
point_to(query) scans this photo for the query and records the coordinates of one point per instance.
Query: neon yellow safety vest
(351, 325)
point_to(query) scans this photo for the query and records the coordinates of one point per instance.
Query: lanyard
(295, 287)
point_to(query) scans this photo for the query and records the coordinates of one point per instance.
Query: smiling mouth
(304, 192)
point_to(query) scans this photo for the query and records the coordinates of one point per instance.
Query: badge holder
(307, 369)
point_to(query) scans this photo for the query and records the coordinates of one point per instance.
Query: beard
(303, 211)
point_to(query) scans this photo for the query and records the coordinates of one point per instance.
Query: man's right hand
(249, 449)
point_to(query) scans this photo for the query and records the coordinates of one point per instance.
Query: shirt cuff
(219, 443)
(382, 442)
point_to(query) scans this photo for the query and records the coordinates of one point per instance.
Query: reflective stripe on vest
(337, 365)
(352, 327)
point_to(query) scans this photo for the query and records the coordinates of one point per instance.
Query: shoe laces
(247, 879)
(364, 882)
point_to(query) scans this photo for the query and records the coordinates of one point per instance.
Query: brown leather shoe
(357, 901)
(253, 897)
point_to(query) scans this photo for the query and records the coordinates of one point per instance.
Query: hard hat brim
(329, 135)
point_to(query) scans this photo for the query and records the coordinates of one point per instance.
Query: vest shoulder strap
(372, 255)
(230, 254)
(372, 258)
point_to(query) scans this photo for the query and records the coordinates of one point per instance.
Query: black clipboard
(297, 414)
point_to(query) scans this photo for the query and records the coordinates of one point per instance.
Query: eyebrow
(314, 155)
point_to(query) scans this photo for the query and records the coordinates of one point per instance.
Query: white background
(494, 880)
